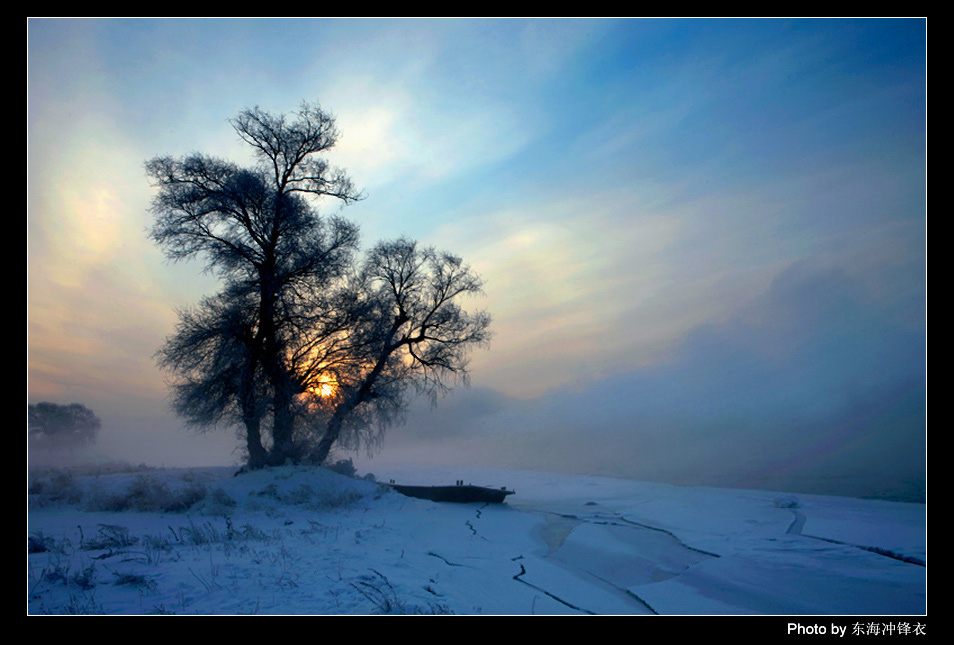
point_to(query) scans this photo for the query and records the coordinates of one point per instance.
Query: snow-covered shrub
(215, 502)
(343, 467)
(136, 580)
(39, 542)
(306, 495)
(108, 538)
(53, 486)
(147, 494)
(85, 578)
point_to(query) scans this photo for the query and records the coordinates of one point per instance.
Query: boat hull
(460, 494)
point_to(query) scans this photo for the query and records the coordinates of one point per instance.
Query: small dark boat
(462, 493)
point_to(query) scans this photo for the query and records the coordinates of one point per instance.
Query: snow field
(309, 541)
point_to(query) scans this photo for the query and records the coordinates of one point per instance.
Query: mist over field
(703, 242)
(835, 408)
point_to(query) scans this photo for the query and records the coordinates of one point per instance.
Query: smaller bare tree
(411, 332)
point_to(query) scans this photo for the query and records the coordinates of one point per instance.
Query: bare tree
(413, 332)
(64, 426)
(304, 345)
(260, 230)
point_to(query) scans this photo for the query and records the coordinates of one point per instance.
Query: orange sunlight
(324, 388)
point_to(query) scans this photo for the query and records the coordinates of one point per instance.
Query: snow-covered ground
(310, 541)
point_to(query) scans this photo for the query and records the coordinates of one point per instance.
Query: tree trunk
(275, 370)
(251, 406)
(332, 432)
(253, 440)
(283, 446)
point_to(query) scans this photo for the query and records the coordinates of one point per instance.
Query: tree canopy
(69, 426)
(308, 343)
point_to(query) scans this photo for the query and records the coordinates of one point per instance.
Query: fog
(819, 386)
(816, 389)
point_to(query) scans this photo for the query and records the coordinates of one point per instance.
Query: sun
(323, 388)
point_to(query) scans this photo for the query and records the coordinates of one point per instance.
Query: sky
(703, 241)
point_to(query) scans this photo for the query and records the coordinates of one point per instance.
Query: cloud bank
(820, 387)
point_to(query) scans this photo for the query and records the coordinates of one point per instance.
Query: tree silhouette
(259, 229)
(413, 333)
(68, 426)
(306, 345)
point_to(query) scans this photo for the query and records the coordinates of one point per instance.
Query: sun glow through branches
(324, 388)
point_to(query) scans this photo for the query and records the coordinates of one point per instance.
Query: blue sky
(711, 232)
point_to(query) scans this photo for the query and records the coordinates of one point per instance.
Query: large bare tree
(260, 230)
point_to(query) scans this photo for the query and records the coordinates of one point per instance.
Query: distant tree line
(309, 344)
(67, 426)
